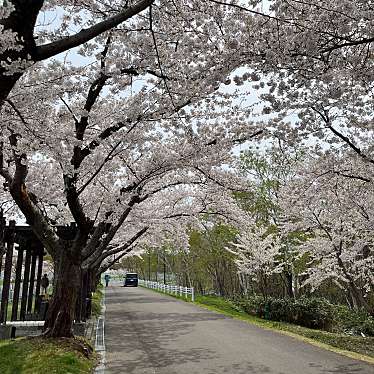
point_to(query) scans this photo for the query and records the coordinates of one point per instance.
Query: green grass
(38, 355)
(96, 300)
(353, 346)
(356, 344)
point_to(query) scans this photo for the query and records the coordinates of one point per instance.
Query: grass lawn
(361, 348)
(353, 346)
(37, 355)
(96, 300)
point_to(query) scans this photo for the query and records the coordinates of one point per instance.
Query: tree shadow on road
(146, 343)
(141, 342)
(354, 368)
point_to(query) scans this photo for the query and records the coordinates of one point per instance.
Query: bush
(315, 313)
(353, 322)
(253, 305)
(312, 312)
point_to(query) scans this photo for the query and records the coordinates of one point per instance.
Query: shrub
(316, 313)
(312, 312)
(354, 322)
(253, 305)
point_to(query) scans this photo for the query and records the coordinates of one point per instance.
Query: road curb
(100, 339)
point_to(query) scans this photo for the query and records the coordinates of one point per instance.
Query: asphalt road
(149, 333)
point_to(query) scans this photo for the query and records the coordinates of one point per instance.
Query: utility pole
(157, 268)
(164, 272)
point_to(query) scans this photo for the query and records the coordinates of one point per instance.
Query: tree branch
(349, 43)
(100, 256)
(350, 144)
(27, 202)
(52, 49)
(125, 245)
(105, 267)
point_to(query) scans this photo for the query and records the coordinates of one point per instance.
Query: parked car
(131, 279)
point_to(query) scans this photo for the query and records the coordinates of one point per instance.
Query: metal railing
(169, 288)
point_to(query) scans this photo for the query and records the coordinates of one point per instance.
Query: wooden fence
(21, 284)
(21, 269)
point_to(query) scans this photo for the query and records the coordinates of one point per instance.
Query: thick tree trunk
(80, 305)
(61, 311)
(88, 286)
(93, 279)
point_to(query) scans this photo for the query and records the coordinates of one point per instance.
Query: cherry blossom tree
(266, 173)
(139, 181)
(129, 147)
(135, 138)
(333, 203)
(257, 254)
(311, 65)
(311, 62)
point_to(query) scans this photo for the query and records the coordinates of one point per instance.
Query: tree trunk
(92, 279)
(94, 276)
(85, 294)
(358, 299)
(288, 284)
(61, 310)
(2, 235)
(263, 285)
(243, 283)
(355, 293)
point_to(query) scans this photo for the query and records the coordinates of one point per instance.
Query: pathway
(150, 333)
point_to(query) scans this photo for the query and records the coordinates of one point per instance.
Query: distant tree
(211, 267)
(266, 174)
(257, 255)
(334, 204)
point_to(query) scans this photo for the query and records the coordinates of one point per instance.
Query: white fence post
(170, 288)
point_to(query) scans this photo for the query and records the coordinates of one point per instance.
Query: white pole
(192, 294)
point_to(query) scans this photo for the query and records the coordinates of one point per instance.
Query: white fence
(169, 288)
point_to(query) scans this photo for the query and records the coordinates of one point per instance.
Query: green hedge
(312, 312)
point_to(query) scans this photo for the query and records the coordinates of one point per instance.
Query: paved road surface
(149, 333)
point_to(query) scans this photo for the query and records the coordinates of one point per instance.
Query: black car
(131, 279)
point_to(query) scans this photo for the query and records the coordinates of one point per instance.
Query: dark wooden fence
(21, 269)
(20, 244)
